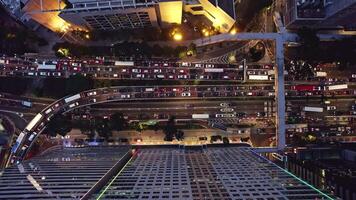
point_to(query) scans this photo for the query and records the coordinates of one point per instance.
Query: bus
(72, 98)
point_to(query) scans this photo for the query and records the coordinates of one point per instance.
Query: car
(73, 105)
(203, 138)
(331, 108)
(124, 140)
(261, 114)
(186, 94)
(32, 136)
(91, 94)
(224, 104)
(125, 96)
(227, 110)
(138, 140)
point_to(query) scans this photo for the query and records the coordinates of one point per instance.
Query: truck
(26, 103)
(214, 70)
(337, 87)
(124, 63)
(47, 66)
(258, 77)
(34, 122)
(200, 116)
(18, 142)
(303, 87)
(313, 109)
(321, 74)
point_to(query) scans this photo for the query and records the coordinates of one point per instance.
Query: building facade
(321, 14)
(116, 14)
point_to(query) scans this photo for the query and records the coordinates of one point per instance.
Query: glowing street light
(87, 36)
(233, 31)
(177, 36)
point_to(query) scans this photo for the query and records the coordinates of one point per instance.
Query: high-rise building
(159, 172)
(322, 14)
(123, 14)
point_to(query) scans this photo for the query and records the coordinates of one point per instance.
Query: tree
(226, 140)
(85, 126)
(309, 43)
(117, 121)
(179, 135)
(59, 124)
(170, 129)
(156, 127)
(78, 83)
(102, 127)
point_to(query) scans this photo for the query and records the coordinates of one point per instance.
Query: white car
(91, 94)
(224, 104)
(73, 105)
(186, 94)
(227, 110)
(331, 107)
(125, 96)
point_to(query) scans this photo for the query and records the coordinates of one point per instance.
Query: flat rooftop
(206, 173)
(62, 173)
(311, 8)
(154, 172)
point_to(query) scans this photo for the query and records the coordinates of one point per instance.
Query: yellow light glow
(206, 34)
(87, 36)
(177, 36)
(204, 30)
(171, 12)
(233, 31)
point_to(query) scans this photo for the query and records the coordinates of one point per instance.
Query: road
(19, 122)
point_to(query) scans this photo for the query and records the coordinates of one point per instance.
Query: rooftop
(160, 172)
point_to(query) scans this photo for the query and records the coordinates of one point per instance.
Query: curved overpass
(122, 93)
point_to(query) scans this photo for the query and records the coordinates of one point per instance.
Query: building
(32, 11)
(220, 12)
(329, 168)
(321, 14)
(123, 14)
(153, 172)
(59, 173)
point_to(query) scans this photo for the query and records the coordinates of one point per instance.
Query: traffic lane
(21, 109)
(341, 104)
(19, 122)
(181, 103)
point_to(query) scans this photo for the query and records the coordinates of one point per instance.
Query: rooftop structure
(169, 172)
(122, 14)
(59, 174)
(320, 13)
(212, 173)
(331, 168)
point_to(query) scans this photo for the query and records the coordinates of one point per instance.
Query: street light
(177, 36)
(233, 31)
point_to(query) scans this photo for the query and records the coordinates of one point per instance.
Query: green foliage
(179, 135)
(226, 140)
(85, 126)
(78, 83)
(170, 129)
(309, 40)
(102, 127)
(124, 49)
(117, 121)
(59, 124)
(15, 85)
